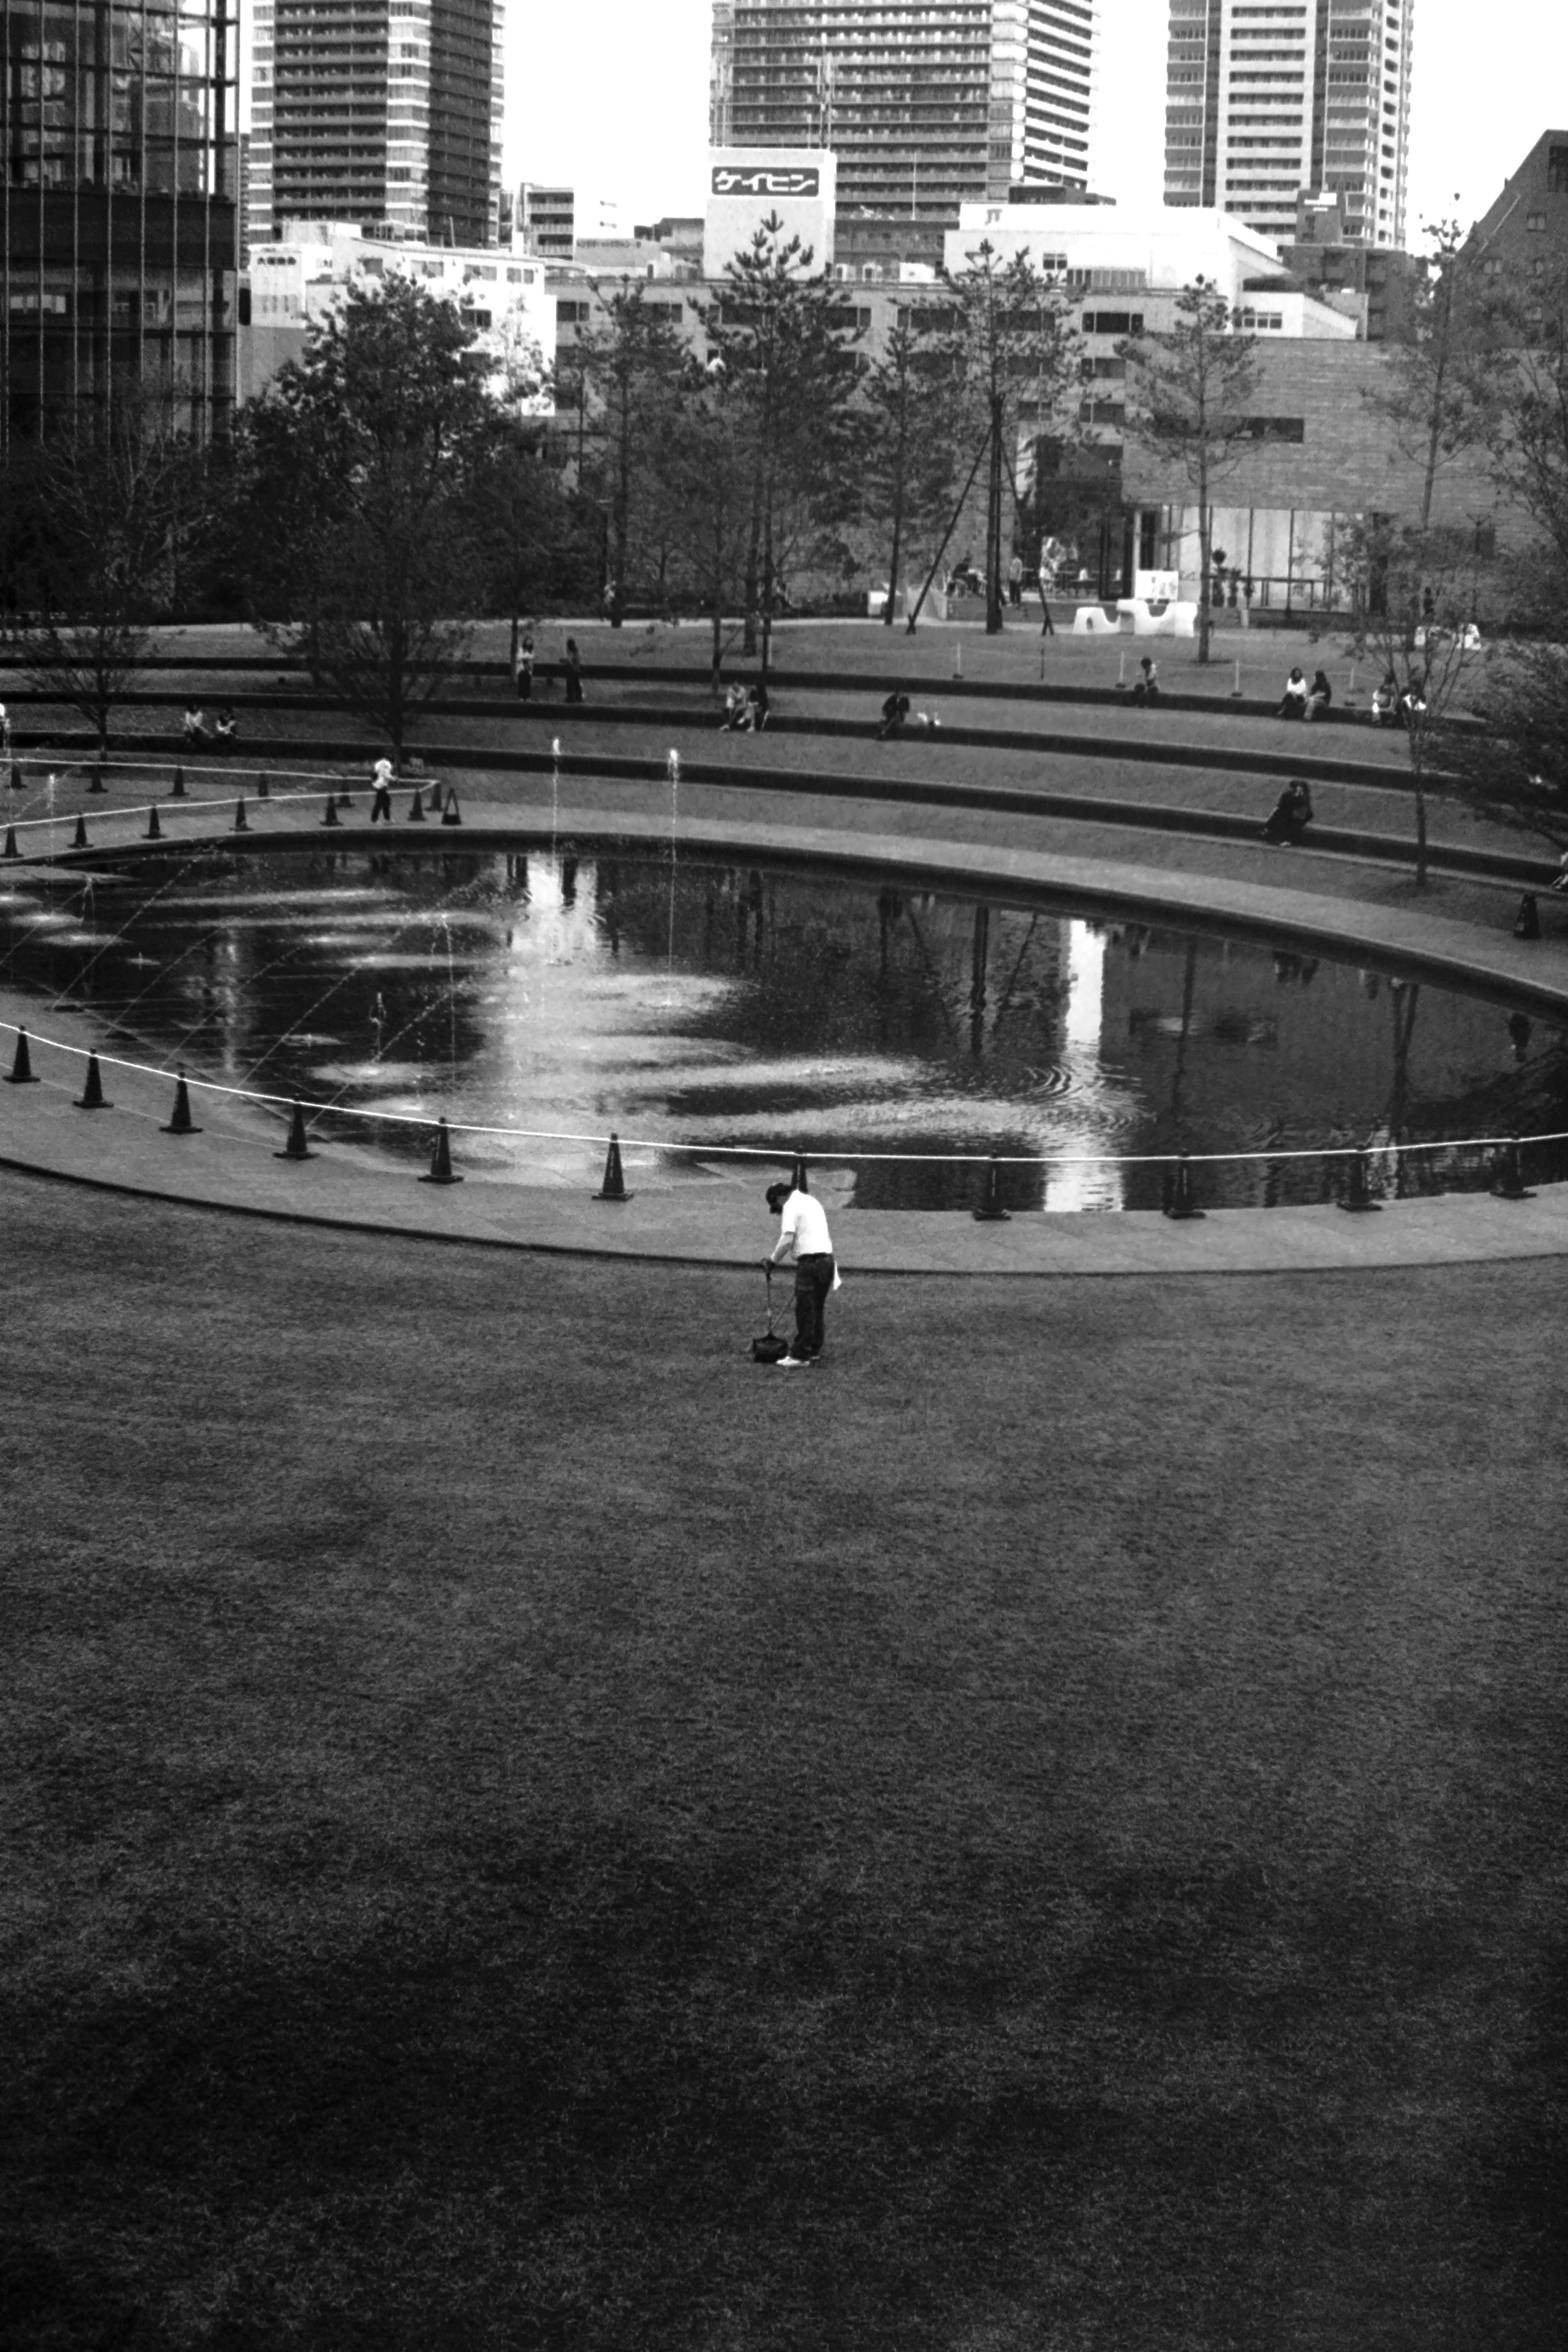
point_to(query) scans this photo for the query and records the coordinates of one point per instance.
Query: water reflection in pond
(730, 1004)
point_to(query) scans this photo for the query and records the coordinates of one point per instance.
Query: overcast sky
(611, 95)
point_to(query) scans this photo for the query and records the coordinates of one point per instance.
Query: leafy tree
(1434, 398)
(707, 472)
(525, 527)
(363, 456)
(118, 499)
(1018, 360)
(1190, 396)
(1527, 408)
(1423, 600)
(781, 338)
(1512, 766)
(624, 377)
(910, 421)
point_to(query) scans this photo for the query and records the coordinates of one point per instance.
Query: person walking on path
(573, 671)
(805, 1231)
(1016, 581)
(522, 668)
(1048, 627)
(381, 788)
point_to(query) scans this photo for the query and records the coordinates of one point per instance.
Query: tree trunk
(1420, 827)
(893, 560)
(994, 525)
(1205, 535)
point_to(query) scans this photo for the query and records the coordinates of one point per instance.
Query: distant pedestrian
(194, 725)
(1016, 581)
(1320, 695)
(224, 730)
(5, 731)
(1386, 702)
(522, 668)
(758, 704)
(737, 715)
(805, 1231)
(895, 710)
(1294, 701)
(1048, 627)
(573, 671)
(1146, 688)
(381, 792)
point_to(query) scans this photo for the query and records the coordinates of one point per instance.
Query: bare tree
(1190, 396)
(1434, 396)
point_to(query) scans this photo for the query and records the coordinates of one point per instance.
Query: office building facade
(387, 113)
(928, 104)
(1268, 98)
(117, 208)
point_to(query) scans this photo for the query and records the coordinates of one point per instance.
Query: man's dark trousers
(813, 1281)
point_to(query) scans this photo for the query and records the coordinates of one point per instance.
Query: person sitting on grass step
(1293, 702)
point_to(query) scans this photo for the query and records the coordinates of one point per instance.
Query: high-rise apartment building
(117, 207)
(383, 112)
(928, 104)
(1268, 98)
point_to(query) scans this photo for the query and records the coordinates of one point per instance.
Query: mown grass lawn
(524, 1830)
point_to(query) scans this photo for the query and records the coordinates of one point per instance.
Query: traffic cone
(18, 780)
(10, 849)
(155, 830)
(990, 1210)
(434, 800)
(1180, 1199)
(958, 660)
(79, 838)
(451, 813)
(1527, 922)
(417, 808)
(177, 789)
(20, 1073)
(95, 778)
(614, 1187)
(441, 1159)
(1508, 1175)
(296, 1148)
(181, 1122)
(797, 1182)
(92, 1095)
(330, 817)
(1357, 1195)
(241, 822)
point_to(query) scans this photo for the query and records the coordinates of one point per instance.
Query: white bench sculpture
(1091, 621)
(1176, 620)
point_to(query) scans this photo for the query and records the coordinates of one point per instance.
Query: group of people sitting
(746, 709)
(1301, 700)
(1393, 704)
(895, 713)
(196, 727)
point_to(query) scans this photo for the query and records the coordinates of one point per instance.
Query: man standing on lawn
(804, 1231)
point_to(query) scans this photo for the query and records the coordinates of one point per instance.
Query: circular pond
(703, 1002)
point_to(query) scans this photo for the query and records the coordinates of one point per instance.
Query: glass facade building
(1268, 100)
(118, 202)
(382, 112)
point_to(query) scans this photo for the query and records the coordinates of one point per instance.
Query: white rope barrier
(777, 1151)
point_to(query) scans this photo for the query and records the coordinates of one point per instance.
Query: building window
(1557, 171)
(1536, 221)
(1277, 428)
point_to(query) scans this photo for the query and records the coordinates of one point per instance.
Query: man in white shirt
(803, 1231)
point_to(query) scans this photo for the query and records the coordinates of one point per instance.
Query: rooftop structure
(1526, 229)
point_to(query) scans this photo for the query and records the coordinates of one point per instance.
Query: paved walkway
(713, 1214)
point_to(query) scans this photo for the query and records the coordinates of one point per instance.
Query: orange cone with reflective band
(155, 830)
(241, 822)
(614, 1187)
(20, 1073)
(417, 808)
(79, 841)
(1181, 1200)
(92, 1095)
(296, 1148)
(330, 816)
(177, 789)
(441, 1159)
(990, 1210)
(181, 1122)
(1357, 1195)
(451, 813)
